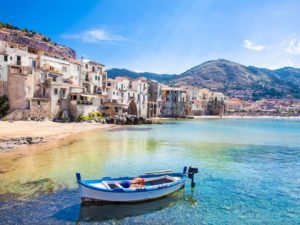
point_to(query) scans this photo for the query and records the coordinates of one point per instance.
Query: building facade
(42, 85)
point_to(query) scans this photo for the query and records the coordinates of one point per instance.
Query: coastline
(21, 134)
(248, 117)
(237, 117)
(17, 134)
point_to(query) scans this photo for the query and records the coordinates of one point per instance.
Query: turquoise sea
(249, 173)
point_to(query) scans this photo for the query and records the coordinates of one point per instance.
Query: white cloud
(292, 46)
(250, 45)
(94, 35)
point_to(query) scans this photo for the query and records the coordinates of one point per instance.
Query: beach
(21, 133)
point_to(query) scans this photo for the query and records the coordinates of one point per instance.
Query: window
(54, 79)
(39, 102)
(86, 77)
(86, 66)
(51, 68)
(74, 97)
(93, 69)
(108, 84)
(18, 60)
(55, 91)
(44, 92)
(63, 93)
(96, 77)
(33, 63)
(5, 58)
(64, 68)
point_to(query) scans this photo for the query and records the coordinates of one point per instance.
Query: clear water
(249, 174)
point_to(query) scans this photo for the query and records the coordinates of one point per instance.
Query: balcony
(84, 102)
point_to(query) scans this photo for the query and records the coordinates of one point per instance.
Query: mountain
(246, 82)
(163, 78)
(233, 79)
(34, 41)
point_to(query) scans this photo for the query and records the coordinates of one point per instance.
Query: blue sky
(167, 36)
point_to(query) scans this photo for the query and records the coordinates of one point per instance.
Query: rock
(13, 142)
(148, 121)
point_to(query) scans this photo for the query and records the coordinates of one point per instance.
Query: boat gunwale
(119, 190)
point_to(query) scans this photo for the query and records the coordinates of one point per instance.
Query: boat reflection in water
(107, 211)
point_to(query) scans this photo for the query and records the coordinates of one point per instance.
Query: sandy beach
(19, 133)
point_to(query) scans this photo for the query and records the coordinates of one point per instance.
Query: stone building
(154, 98)
(174, 102)
(127, 96)
(90, 90)
(39, 85)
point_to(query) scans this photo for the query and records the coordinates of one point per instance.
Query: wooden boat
(134, 189)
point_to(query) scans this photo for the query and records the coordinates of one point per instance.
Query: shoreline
(21, 134)
(235, 117)
(247, 117)
(18, 134)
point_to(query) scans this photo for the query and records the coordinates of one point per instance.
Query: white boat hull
(90, 194)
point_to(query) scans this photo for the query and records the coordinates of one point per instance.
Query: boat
(150, 186)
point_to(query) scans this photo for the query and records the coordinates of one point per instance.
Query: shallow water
(249, 174)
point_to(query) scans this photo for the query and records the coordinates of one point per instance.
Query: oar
(160, 171)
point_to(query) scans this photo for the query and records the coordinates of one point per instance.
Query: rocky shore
(129, 120)
(6, 144)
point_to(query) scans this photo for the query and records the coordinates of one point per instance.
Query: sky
(167, 36)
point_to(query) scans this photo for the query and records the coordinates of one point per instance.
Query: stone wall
(174, 109)
(215, 108)
(40, 108)
(76, 110)
(20, 89)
